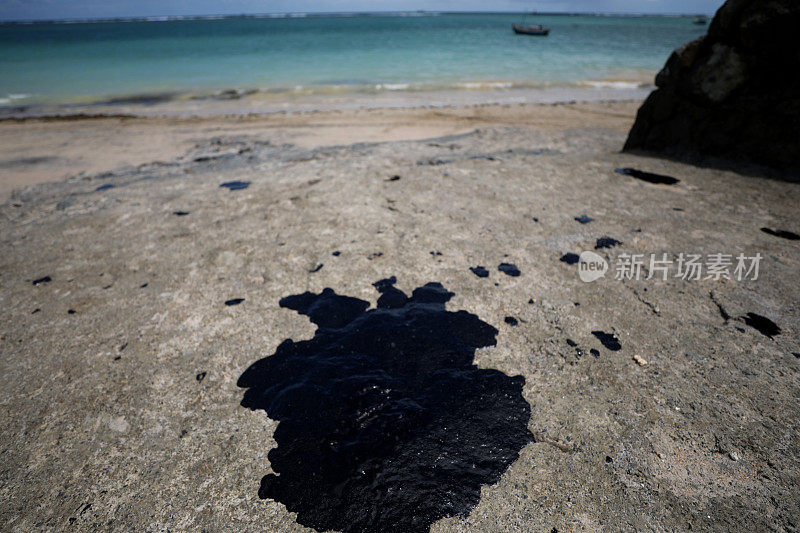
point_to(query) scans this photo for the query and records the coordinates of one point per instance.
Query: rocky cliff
(734, 93)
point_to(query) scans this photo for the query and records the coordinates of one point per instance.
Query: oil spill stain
(649, 177)
(595, 352)
(764, 325)
(201, 376)
(316, 268)
(180, 213)
(337, 253)
(584, 219)
(606, 242)
(511, 321)
(509, 269)
(105, 187)
(235, 185)
(384, 421)
(608, 340)
(570, 259)
(480, 271)
(234, 301)
(783, 234)
(45, 279)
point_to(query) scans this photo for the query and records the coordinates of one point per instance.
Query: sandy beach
(137, 289)
(54, 148)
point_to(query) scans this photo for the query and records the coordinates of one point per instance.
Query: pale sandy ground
(42, 150)
(104, 425)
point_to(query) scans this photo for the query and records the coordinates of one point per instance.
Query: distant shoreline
(163, 18)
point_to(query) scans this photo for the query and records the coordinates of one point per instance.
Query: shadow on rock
(385, 423)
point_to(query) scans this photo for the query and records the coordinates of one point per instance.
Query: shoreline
(334, 14)
(41, 149)
(237, 101)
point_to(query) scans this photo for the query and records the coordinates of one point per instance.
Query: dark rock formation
(734, 93)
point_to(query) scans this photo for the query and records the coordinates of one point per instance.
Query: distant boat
(701, 20)
(531, 30)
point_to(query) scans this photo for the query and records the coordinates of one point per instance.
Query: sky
(78, 9)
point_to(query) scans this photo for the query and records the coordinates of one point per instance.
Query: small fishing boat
(530, 30)
(701, 20)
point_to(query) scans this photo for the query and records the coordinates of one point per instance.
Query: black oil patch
(105, 187)
(584, 219)
(234, 301)
(180, 213)
(480, 271)
(45, 279)
(235, 185)
(608, 340)
(649, 177)
(511, 321)
(570, 259)
(764, 325)
(385, 424)
(782, 233)
(606, 242)
(509, 269)
(316, 268)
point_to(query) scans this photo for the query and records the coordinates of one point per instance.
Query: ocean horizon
(288, 57)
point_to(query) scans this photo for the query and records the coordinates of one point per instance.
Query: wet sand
(138, 291)
(35, 150)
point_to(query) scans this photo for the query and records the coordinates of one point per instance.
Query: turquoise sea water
(83, 62)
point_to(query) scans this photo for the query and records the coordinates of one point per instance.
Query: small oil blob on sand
(782, 233)
(606, 242)
(570, 259)
(480, 271)
(764, 325)
(235, 185)
(608, 340)
(509, 269)
(649, 177)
